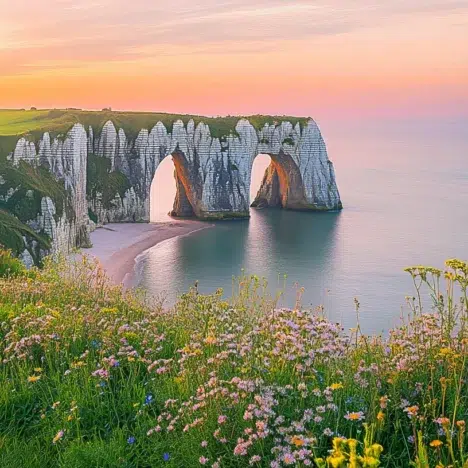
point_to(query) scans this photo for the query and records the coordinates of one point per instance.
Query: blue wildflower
(166, 456)
(95, 344)
(131, 440)
(148, 399)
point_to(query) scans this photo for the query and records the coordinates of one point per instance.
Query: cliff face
(67, 225)
(109, 175)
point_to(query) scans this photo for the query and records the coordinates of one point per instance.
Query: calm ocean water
(404, 187)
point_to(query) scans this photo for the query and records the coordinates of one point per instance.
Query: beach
(116, 246)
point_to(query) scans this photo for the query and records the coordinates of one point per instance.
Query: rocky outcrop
(213, 174)
(269, 195)
(67, 160)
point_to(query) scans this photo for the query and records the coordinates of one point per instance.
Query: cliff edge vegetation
(59, 121)
(93, 376)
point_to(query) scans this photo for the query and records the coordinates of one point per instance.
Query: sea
(404, 187)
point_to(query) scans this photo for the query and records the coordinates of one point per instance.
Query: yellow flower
(375, 450)
(336, 386)
(354, 416)
(336, 461)
(444, 381)
(412, 410)
(370, 462)
(444, 422)
(436, 443)
(57, 437)
(298, 441)
(131, 335)
(34, 378)
(70, 417)
(38, 369)
(130, 358)
(380, 416)
(211, 340)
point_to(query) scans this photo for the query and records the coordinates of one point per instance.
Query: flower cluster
(219, 383)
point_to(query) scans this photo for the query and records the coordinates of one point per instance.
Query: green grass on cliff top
(57, 121)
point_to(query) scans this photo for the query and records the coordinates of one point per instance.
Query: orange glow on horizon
(303, 58)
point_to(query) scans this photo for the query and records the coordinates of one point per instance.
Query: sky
(346, 58)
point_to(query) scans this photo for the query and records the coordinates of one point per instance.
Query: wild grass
(13, 233)
(58, 121)
(93, 376)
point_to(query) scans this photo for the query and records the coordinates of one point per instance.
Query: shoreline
(118, 246)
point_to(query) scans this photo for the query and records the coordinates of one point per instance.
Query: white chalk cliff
(213, 174)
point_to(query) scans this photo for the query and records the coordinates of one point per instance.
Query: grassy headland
(59, 121)
(95, 377)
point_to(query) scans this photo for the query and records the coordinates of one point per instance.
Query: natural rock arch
(213, 174)
(282, 185)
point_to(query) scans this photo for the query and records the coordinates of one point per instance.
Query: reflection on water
(405, 192)
(271, 244)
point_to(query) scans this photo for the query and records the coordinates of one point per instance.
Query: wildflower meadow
(94, 376)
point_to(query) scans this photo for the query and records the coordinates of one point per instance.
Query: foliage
(9, 265)
(22, 189)
(57, 121)
(92, 215)
(12, 234)
(95, 376)
(101, 180)
(346, 453)
(29, 184)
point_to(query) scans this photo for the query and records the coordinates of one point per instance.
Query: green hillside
(57, 121)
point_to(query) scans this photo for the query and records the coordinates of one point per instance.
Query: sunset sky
(304, 57)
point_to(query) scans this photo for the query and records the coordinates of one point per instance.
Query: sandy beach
(116, 246)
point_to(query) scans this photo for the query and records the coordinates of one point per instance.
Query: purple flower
(103, 373)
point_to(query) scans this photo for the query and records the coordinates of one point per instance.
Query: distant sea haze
(404, 188)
